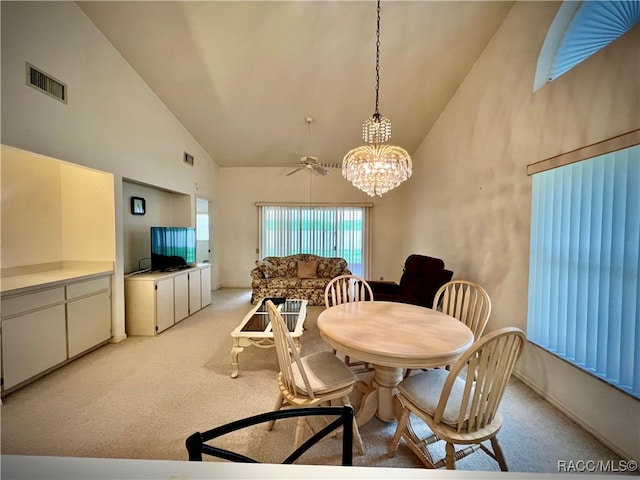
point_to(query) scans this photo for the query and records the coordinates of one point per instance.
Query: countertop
(17, 284)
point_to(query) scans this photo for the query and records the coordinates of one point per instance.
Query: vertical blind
(584, 266)
(334, 231)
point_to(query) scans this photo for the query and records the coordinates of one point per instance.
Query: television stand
(177, 268)
(155, 301)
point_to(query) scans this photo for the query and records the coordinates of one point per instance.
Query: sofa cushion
(317, 283)
(331, 267)
(307, 269)
(283, 282)
(266, 268)
(338, 268)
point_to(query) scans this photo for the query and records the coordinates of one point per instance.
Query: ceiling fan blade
(330, 165)
(320, 171)
(294, 171)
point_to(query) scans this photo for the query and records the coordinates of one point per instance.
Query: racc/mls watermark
(599, 466)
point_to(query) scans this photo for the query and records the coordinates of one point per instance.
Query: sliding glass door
(332, 231)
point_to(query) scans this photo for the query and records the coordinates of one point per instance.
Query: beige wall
(471, 168)
(241, 188)
(88, 223)
(31, 209)
(112, 122)
(54, 212)
(468, 201)
(163, 209)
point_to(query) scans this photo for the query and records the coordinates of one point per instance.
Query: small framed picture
(138, 206)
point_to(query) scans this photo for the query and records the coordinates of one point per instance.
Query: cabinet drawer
(88, 287)
(31, 301)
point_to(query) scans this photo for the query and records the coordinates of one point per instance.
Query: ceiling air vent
(46, 83)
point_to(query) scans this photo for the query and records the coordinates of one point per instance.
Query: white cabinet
(32, 343)
(195, 292)
(88, 314)
(45, 327)
(164, 304)
(205, 283)
(181, 295)
(155, 301)
(149, 305)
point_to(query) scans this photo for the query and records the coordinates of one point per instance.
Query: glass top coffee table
(255, 329)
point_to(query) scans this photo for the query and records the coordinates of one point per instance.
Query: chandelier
(376, 168)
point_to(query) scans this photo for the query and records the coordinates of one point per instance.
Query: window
(332, 231)
(584, 286)
(581, 29)
(203, 249)
(202, 219)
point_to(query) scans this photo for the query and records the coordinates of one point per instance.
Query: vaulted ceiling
(242, 76)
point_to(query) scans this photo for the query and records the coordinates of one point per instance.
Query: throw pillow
(266, 268)
(307, 269)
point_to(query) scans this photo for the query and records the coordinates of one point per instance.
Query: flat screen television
(172, 248)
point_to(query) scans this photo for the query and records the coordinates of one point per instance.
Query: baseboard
(572, 416)
(118, 339)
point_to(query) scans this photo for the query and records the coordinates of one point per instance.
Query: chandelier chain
(377, 167)
(377, 113)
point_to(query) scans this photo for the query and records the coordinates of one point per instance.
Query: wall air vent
(45, 83)
(188, 159)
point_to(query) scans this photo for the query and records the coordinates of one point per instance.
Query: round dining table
(392, 336)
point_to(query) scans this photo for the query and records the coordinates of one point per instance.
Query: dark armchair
(421, 278)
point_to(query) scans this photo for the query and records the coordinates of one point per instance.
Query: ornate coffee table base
(255, 328)
(240, 343)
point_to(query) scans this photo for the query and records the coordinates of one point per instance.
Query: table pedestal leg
(385, 380)
(369, 403)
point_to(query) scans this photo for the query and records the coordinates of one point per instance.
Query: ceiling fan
(311, 163)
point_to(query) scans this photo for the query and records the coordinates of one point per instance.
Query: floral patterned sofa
(302, 276)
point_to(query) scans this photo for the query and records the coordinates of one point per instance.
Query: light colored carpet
(143, 397)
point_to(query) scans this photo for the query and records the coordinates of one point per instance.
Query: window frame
(366, 228)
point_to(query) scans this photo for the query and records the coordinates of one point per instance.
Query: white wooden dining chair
(347, 288)
(344, 289)
(310, 380)
(467, 301)
(457, 410)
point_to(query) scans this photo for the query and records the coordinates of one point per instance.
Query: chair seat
(461, 410)
(424, 389)
(308, 381)
(450, 434)
(326, 373)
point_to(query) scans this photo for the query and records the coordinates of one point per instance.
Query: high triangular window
(581, 29)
